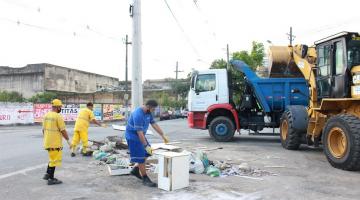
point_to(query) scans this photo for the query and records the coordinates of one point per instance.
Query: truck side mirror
(197, 91)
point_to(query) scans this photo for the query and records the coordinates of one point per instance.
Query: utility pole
(177, 70)
(291, 37)
(227, 57)
(136, 81)
(126, 96)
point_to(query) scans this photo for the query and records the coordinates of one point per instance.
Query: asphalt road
(303, 174)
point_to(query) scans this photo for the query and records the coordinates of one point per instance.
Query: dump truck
(331, 68)
(211, 104)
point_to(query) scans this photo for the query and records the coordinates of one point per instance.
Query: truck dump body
(274, 94)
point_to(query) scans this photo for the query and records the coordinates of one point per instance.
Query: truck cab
(263, 100)
(207, 88)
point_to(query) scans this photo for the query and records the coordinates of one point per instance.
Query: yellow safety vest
(83, 119)
(53, 124)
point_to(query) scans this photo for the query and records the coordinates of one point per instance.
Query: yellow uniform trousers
(80, 135)
(55, 157)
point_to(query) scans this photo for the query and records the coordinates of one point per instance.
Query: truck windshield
(353, 53)
(205, 82)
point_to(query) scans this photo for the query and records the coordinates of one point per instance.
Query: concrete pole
(136, 81)
(227, 57)
(126, 96)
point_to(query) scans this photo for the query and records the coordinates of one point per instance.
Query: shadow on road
(257, 139)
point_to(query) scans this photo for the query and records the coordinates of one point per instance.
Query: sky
(89, 34)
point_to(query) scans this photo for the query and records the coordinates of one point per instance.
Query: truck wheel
(222, 129)
(290, 139)
(341, 139)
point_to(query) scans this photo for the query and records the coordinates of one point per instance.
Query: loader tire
(341, 139)
(290, 138)
(222, 129)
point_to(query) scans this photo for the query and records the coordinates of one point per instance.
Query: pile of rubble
(113, 152)
(199, 164)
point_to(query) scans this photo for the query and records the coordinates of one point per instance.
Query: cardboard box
(173, 170)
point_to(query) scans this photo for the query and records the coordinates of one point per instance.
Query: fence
(29, 113)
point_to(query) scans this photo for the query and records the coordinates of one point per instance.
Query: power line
(44, 28)
(182, 29)
(42, 11)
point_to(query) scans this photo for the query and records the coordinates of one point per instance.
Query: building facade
(35, 78)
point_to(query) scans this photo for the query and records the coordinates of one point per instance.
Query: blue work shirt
(138, 121)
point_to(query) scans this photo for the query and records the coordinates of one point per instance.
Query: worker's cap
(56, 102)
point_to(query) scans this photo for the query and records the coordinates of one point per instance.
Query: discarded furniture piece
(173, 169)
(115, 170)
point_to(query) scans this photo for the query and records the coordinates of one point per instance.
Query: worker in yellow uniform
(83, 120)
(53, 132)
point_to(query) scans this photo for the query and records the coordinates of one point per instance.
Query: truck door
(332, 76)
(339, 80)
(205, 92)
(323, 80)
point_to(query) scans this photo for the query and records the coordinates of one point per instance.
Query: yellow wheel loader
(332, 70)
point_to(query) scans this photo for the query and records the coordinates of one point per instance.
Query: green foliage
(218, 64)
(244, 56)
(253, 59)
(165, 101)
(43, 97)
(11, 96)
(257, 53)
(180, 88)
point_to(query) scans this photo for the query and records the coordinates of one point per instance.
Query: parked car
(164, 116)
(178, 114)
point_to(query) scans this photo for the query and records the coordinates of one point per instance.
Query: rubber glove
(149, 150)
(166, 139)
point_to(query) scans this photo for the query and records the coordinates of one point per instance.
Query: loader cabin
(336, 56)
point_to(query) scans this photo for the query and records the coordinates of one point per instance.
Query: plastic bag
(196, 165)
(203, 157)
(111, 159)
(98, 155)
(212, 171)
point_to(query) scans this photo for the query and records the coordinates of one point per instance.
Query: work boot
(54, 181)
(88, 153)
(46, 177)
(73, 154)
(148, 182)
(135, 171)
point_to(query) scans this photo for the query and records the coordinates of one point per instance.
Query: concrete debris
(244, 170)
(223, 167)
(244, 167)
(106, 148)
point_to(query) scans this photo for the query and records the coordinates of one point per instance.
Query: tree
(253, 59)
(43, 97)
(244, 56)
(218, 64)
(11, 96)
(181, 88)
(257, 53)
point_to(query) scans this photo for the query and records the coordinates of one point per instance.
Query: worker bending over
(83, 120)
(139, 147)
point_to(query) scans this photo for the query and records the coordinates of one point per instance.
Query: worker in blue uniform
(139, 147)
